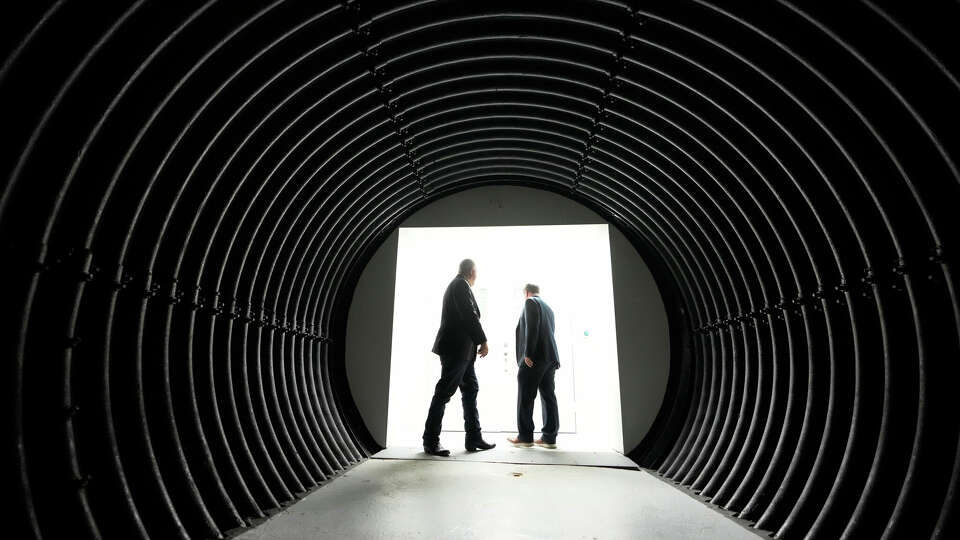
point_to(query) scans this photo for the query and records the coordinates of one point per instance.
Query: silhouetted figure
(537, 360)
(457, 340)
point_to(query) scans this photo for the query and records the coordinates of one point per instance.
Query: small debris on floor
(518, 474)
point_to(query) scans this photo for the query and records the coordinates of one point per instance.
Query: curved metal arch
(558, 134)
(687, 164)
(532, 143)
(208, 518)
(457, 62)
(519, 155)
(880, 446)
(926, 216)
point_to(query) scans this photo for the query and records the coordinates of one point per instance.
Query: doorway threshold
(507, 453)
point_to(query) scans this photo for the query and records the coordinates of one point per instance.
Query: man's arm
(520, 338)
(461, 300)
(531, 312)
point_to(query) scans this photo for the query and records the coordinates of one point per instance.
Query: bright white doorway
(571, 264)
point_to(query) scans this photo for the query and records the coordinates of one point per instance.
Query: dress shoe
(436, 450)
(539, 442)
(478, 443)
(517, 442)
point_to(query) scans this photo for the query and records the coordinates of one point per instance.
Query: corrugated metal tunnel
(192, 189)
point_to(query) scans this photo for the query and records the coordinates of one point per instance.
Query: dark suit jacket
(535, 333)
(460, 319)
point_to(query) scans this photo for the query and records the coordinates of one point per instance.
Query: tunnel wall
(192, 189)
(641, 321)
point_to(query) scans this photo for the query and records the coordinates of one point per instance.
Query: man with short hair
(457, 343)
(537, 360)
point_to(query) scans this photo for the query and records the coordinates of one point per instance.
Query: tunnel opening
(193, 191)
(638, 325)
(571, 266)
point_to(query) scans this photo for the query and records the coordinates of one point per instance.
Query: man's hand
(483, 350)
(528, 361)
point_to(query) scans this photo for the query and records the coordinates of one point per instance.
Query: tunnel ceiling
(192, 190)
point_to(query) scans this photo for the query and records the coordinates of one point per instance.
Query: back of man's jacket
(534, 335)
(459, 320)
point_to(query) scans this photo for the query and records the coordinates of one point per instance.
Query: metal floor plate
(505, 453)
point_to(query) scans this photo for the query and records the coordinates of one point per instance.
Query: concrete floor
(437, 499)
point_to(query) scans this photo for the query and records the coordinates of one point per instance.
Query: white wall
(641, 323)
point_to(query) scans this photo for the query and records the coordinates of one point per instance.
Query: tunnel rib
(192, 192)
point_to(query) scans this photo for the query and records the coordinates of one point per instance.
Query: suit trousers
(457, 371)
(530, 380)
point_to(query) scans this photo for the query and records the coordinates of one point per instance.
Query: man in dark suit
(538, 360)
(457, 340)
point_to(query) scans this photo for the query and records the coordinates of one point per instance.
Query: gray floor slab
(389, 499)
(504, 453)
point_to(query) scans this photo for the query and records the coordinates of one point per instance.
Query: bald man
(459, 341)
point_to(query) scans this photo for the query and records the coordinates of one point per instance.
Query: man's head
(530, 290)
(468, 270)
